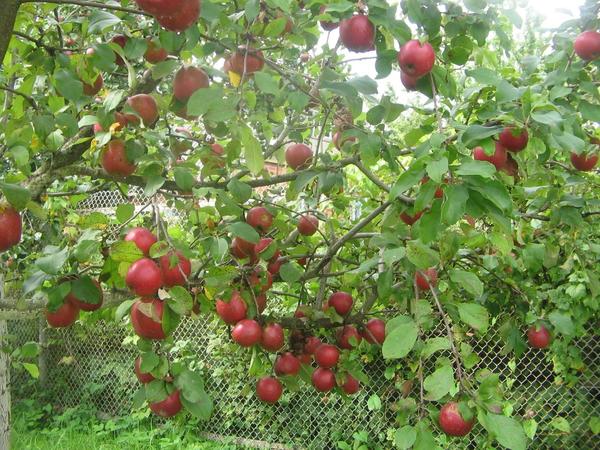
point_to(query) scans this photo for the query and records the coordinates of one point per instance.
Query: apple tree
(323, 217)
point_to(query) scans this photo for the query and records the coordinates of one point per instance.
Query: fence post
(43, 355)
(4, 391)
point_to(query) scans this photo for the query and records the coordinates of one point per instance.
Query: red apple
(187, 81)
(114, 159)
(64, 316)
(272, 337)
(451, 421)
(351, 385)
(143, 377)
(143, 238)
(539, 337)
(416, 59)
(308, 225)
(246, 60)
(183, 18)
(327, 26)
(311, 344)
(341, 302)
(267, 249)
(327, 355)
(234, 310)
(146, 318)
(357, 33)
(93, 89)
(121, 41)
(408, 219)
(160, 7)
(261, 280)
(287, 364)
(175, 268)
(168, 407)
(260, 218)
(422, 278)
(498, 159)
(269, 389)
(247, 332)
(584, 162)
(408, 81)
(82, 304)
(11, 227)
(154, 52)
(513, 139)
(241, 248)
(374, 331)
(146, 108)
(344, 336)
(323, 379)
(144, 277)
(274, 266)
(298, 156)
(587, 45)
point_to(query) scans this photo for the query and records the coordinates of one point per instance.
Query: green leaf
(405, 437)
(290, 272)
(266, 83)
(53, 261)
(124, 212)
(589, 111)
(506, 92)
(156, 391)
(562, 322)
(507, 431)
(468, 280)
(439, 383)
(68, 85)
(184, 178)
(561, 424)
(472, 167)
(421, 255)
(433, 345)
(100, 20)
(149, 361)
(408, 179)
(474, 315)
(86, 290)
(455, 203)
(484, 76)
(476, 133)
(16, 195)
(374, 403)
(191, 385)
(400, 339)
(365, 85)
(125, 251)
(123, 309)
(252, 150)
(202, 409)
(425, 439)
(240, 191)
(594, 424)
(437, 169)
(181, 300)
(30, 350)
(551, 118)
(33, 369)
(244, 231)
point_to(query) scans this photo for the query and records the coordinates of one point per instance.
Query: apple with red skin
(340, 301)
(344, 335)
(160, 7)
(326, 25)
(93, 89)
(187, 81)
(451, 421)
(154, 52)
(64, 316)
(247, 332)
(121, 41)
(260, 249)
(169, 406)
(327, 355)
(298, 156)
(539, 336)
(374, 331)
(584, 162)
(587, 45)
(439, 192)
(143, 377)
(358, 33)
(263, 280)
(514, 139)
(498, 158)
(323, 379)
(175, 275)
(269, 389)
(308, 225)
(351, 385)
(287, 364)
(246, 60)
(144, 277)
(146, 108)
(410, 220)
(416, 59)
(234, 310)
(260, 218)
(144, 325)
(272, 337)
(183, 18)
(11, 227)
(83, 305)
(114, 159)
(240, 248)
(311, 344)
(422, 277)
(303, 261)
(408, 81)
(143, 238)
(274, 266)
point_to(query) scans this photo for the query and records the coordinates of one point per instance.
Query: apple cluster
(173, 15)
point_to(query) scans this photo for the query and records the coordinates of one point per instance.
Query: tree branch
(25, 96)
(8, 14)
(91, 5)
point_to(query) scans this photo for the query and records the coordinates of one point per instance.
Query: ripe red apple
(154, 52)
(11, 227)
(344, 335)
(439, 193)
(587, 45)
(262, 280)
(267, 249)
(351, 385)
(143, 377)
(93, 89)
(339, 141)
(186, 16)
(308, 225)
(584, 162)
(357, 33)
(498, 159)
(298, 156)
(234, 310)
(246, 59)
(416, 59)
(408, 81)
(272, 337)
(169, 406)
(327, 355)
(146, 108)
(144, 277)
(422, 283)
(374, 331)
(247, 332)
(82, 304)
(513, 139)
(408, 219)
(187, 81)
(114, 159)
(287, 364)
(121, 41)
(160, 7)
(327, 26)
(146, 318)
(64, 316)
(303, 261)
(143, 238)
(311, 344)
(539, 337)
(260, 218)
(341, 302)
(269, 389)
(452, 423)
(274, 266)
(323, 379)
(175, 268)
(241, 248)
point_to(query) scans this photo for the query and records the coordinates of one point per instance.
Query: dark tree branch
(8, 14)
(25, 96)
(91, 5)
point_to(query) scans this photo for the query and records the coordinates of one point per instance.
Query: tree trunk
(4, 393)
(8, 14)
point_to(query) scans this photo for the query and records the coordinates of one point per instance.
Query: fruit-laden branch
(90, 4)
(8, 14)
